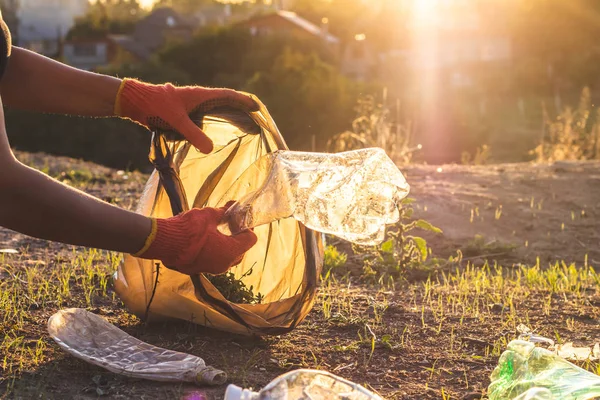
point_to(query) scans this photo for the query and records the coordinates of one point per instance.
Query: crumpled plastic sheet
(570, 352)
(565, 350)
(91, 338)
(527, 335)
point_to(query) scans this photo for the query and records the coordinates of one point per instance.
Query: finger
(234, 99)
(229, 204)
(237, 261)
(206, 215)
(218, 214)
(244, 241)
(195, 135)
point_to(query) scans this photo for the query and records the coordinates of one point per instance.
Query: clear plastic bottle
(527, 372)
(93, 339)
(304, 384)
(351, 195)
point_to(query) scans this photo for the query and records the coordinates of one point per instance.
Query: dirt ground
(546, 211)
(407, 339)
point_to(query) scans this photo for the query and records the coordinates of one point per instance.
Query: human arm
(39, 206)
(36, 83)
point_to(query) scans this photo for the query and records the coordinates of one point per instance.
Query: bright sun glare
(146, 3)
(425, 12)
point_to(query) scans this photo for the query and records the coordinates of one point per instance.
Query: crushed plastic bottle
(527, 372)
(352, 195)
(93, 339)
(526, 334)
(304, 384)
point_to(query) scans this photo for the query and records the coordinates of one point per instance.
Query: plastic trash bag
(281, 270)
(91, 338)
(352, 195)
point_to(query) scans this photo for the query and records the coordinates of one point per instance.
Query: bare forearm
(37, 83)
(34, 204)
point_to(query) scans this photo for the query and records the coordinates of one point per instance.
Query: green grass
(446, 308)
(449, 302)
(491, 295)
(80, 281)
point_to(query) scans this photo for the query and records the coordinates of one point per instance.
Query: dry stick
(153, 292)
(486, 255)
(174, 195)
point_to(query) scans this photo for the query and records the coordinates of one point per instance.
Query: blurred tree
(184, 6)
(107, 17)
(345, 18)
(211, 57)
(152, 71)
(306, 97)
(559, 35)
(231, 56)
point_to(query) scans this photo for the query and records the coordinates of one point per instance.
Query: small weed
(572, 135)
(400, 251)
(333, 260)
(479, 247)
(234, 289)
(481, 156)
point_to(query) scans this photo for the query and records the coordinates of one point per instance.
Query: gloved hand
(166, 107)
(191, 244)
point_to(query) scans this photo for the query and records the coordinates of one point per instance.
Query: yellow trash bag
(281, 271)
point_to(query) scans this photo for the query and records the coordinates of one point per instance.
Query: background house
(88, 54)
(287, 23)
(213, 15)
(42, 24)
(155, 30)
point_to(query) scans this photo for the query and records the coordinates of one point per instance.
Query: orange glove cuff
(166, 107)
(118, 107)
(144, 102)
(191, 243)
(150, 239)
(163, 107)
(170, 241)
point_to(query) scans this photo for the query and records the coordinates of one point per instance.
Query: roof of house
(214, 11)
(130, 45)
(301, 23)
(166, 16)
(149, 32)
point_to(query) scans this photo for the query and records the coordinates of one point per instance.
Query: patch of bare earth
(407, 339)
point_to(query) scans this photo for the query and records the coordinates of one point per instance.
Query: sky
(146, 3)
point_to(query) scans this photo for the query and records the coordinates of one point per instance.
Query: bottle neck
(237, 393)
(249, 395)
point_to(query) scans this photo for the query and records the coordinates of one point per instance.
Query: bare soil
(391, 339)
(522, 211)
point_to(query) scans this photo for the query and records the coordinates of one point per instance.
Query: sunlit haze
(149, 3)
(146, 3)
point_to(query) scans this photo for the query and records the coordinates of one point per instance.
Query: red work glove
(191, 244)
(166, 107)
